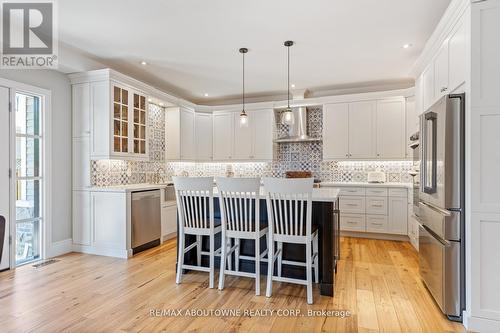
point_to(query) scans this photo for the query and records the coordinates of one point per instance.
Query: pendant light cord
(243, 82)
(288, 86)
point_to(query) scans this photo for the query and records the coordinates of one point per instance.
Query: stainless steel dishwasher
(146, 220)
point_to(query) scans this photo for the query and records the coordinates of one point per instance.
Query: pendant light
(287, 117)
(243, 114)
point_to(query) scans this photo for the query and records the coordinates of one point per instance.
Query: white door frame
(46, 225)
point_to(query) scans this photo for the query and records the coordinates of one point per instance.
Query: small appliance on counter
(303, 174)
(376, 177)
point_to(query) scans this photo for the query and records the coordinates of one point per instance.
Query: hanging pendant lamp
(287, 117)
(243, 114)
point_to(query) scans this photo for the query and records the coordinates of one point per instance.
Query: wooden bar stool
(240, 213)
(195, 207)
(289, 210)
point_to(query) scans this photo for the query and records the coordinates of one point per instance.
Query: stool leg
(280, 257)
(180, 258)
(211, 282)
(223, 258)
(257, 266)
(229, 256)
(315, 250)
(270, 266)
(309, 272)
(198, 249)
(237, 254)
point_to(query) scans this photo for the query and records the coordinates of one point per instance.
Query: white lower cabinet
(376, 223)
(82, 230)
(168, 222)
(352, 222)
(398, 215)
(374, 210)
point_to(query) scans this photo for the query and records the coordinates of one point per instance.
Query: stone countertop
(365, 184)
(128, 188)
(327, 194)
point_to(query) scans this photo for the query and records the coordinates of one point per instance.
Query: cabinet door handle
(352, 205)
(351, 222)
(377, 205)
(376, 223)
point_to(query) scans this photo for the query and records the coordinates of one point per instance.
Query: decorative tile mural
(288, 156)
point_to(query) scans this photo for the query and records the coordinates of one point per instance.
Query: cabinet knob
(378, 154)
(347, 155)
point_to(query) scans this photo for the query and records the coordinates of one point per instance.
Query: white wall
(59, 85)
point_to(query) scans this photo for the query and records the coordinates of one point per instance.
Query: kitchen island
(325, 215)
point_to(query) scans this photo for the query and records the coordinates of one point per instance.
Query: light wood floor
(377, 282)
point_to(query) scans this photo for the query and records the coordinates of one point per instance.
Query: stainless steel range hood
(298, 131)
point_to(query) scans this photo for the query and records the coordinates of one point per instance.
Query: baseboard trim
(168, 236)
(374, 236)
(59, 248)
(478, 324)
(100, 251)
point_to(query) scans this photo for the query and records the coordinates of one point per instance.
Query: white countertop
(128, 188)
(327, 194)
(364, 184)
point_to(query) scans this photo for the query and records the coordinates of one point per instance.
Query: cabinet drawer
(376, 205)
(376, 192)
(352, 222)
(346, 191)
(376, 223)
(352, 204)
(398, 192)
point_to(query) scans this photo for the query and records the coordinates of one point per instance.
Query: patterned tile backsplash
(288, 156)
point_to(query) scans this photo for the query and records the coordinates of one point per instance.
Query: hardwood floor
(377, 282)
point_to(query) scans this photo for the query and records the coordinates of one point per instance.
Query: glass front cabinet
(129, 122)
(111, 111)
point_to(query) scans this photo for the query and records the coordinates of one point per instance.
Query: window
(28, 177)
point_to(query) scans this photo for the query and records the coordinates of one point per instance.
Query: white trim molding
(444, 28)
(59, 248)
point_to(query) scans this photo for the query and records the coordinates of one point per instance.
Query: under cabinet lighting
(205, 94)
(407, 46)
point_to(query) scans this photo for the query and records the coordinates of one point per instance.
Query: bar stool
(240, 213)
(289, 210)
(195, 207)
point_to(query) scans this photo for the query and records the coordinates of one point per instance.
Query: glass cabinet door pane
(124, 113)
(136, 116)
(124, 97)
(116, 144)
(136, 101)
(116, 94)
(143, 147)
(124, 129)
(124, 145)
(116, 111)
(116, 127)
(143, 132)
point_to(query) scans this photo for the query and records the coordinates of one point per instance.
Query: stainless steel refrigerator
(442, 202)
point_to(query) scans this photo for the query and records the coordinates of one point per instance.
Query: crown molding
(444, 28)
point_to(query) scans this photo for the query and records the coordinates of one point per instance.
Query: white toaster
(376, 177)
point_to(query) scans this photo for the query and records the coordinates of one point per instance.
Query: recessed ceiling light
(407, 46)
(293, 85)
(205, 94)
(150, 100)
(160, 104)
(144, 63)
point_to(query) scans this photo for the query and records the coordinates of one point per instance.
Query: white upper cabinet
(223, 124)
(412, 124)
(391, 126)
(419, 97)
(428, 91)
(457, 49)
(365, 130)
(336, 131)
(188, 150)
(113, 114)
(179, 134)
(262, 134)
(243, 137)
(441, 71)
(362, 129)
(204, 136)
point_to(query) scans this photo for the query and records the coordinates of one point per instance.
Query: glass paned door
(139, 124)
(120, 120)
(28, 177)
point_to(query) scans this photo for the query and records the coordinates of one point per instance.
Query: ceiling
(191, 47)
